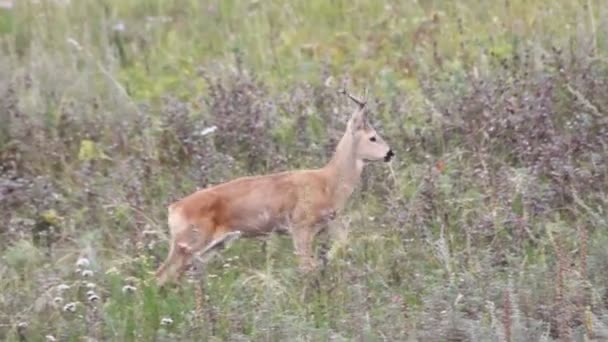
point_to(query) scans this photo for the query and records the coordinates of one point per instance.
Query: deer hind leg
(203, 245)
(221, 240)
(189, 242)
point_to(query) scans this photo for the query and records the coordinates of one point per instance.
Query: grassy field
(493, 228)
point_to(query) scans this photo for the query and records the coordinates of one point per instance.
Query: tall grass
(491, 229)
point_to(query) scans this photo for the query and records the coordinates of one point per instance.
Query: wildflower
(90, 285)
(208, 130)
(166, 321)
(128, 289)
(63, 287)
(50, 338)
(92, 297)
(119, 26)
(87, 273)
(82, 262)
(70, 307)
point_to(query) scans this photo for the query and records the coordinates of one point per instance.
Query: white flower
(119, 26)
(208, 130)
(70, 307)
(50, 338)
(90, 285)
(63, 287)
(93, 297)
(58, 300)
(22, 325)
(82, 262)
(166, 321)
(87, 273)
(128, 288)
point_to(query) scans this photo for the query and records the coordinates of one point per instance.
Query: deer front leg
(302, 241)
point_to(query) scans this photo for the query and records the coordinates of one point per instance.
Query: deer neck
(344, 171)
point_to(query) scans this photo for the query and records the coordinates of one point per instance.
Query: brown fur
(294, 202)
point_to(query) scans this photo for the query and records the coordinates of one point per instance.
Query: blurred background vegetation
(494, 228)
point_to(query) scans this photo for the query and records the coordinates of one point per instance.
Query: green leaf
(90, 151)
(6, 21)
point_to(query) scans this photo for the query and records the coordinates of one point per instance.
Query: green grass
(102, 102)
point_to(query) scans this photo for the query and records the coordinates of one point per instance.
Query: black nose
(389, 155)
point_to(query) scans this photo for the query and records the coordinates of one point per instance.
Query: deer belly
(261, 224)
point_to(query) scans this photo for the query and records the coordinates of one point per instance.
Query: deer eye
(372, 139)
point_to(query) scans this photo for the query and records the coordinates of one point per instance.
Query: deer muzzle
(389, 155)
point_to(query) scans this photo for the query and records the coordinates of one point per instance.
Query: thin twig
(581, 98)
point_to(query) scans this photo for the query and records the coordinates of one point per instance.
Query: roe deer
(296, 202)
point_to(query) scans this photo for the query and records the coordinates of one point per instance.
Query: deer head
(368, 145)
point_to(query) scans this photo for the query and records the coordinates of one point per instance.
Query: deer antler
(355, 99)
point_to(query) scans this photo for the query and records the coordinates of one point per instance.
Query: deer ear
(358, 120)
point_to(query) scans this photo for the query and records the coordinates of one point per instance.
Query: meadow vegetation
(493, 227)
